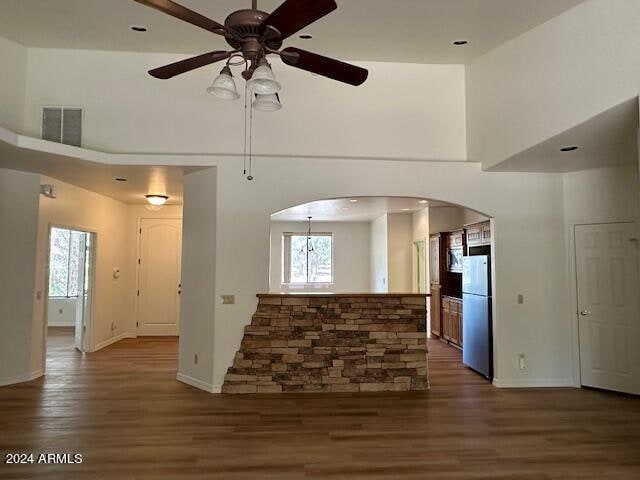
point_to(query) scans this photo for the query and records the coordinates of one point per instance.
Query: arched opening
(415, 245)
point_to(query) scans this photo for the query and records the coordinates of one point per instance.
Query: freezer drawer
(477, 352)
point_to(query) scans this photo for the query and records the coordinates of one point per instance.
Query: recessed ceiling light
(460, 43)
(139, 28)
(406, 209)
(305, 36)
(353, 200)
(423, 202)
(570, 148)
(120, 179)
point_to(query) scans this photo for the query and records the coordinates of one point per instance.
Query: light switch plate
(228, 299)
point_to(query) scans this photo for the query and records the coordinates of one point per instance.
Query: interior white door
(159, 276)
(609, 323)
(80, 328)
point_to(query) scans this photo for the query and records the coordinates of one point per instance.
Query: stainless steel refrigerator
(477, 342)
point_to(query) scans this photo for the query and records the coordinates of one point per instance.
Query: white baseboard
(21, 378)
(194, 382)
(111, 341)
(534, 383)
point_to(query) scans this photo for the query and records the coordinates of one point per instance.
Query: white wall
(180, 117)
(12, 84)
(61, 312)
(18, 236)
(378, 265)
(81, 209)
(400, 256)
(552, 78)
(200, 235)
(528, 218)
(350, 255)
(445, 219)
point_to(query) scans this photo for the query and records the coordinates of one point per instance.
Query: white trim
(112, 340)
(194, 382)
(21, 378)
(534, 383)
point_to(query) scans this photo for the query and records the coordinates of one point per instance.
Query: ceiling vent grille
(62, 125)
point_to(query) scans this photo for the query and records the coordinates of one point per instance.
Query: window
(312, 265)
(63, 263)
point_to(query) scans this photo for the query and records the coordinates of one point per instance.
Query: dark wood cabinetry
(451, 314)
(478, 235)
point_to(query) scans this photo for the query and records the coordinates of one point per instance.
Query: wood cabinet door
(486, 233)
(474, 235)
(436, 310)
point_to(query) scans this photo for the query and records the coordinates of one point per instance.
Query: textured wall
(332, 343)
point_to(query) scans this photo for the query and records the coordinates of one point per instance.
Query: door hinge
(138, 294)
(136, 324)
(139, 260)
(140, 231)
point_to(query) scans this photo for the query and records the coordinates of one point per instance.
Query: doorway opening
(70, 285)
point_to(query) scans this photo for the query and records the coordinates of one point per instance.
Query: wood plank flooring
(123, 410)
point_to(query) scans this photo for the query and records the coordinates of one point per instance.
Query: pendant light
(263, 81)
(267, 103)
(224, 86)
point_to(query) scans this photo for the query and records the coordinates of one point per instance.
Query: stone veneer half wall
(333, 343)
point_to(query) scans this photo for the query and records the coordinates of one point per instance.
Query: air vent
(62, 125)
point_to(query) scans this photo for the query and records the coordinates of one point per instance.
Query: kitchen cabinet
(452, 320)
(455, 251)
(435, 310)
(479, 234)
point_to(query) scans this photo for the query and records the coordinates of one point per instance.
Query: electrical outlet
(521, 362)
(195, 359)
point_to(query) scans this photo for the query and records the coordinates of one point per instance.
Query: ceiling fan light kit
(267, 103)
(253, 35)
(224, 86)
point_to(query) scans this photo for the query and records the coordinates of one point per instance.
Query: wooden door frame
(92, 288)
(573, 291)
(138, 265)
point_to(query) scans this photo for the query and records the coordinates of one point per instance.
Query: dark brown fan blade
(328, 67)
(183, 13)
(293, 15)
(183, 66)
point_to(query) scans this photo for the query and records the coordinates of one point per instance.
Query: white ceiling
(419, 31)
(608, 139)
(99, 177)
(365, 209)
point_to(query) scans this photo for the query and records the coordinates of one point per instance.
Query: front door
(609, 323)
(159, 276)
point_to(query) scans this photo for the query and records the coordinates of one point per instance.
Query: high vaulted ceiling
(419, 31)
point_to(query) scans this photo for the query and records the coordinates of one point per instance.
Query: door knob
(585, 313)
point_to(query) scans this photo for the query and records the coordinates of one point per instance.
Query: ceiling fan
(254, 34)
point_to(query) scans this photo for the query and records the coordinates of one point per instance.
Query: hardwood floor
(123, 410)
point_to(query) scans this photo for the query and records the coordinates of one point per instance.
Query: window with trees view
(310, 263)
(64, 262)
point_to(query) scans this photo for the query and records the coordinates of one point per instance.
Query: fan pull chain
(250, 176)
(244, 152)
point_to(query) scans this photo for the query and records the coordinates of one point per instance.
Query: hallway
(123, 410)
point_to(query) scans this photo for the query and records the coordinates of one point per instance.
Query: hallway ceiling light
(157, 200)
(423, 202)
(460, 43)
(224, 86)
(139, 28)
(121, 179)
(353, 200)
(570, 148)
(267, 103)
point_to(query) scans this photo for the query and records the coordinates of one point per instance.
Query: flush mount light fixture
(354, 200)
(423, 202)
(460, 43)
(139, 28)
(569, 148)
(157, 200)
(305, 36)
(121, 179)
